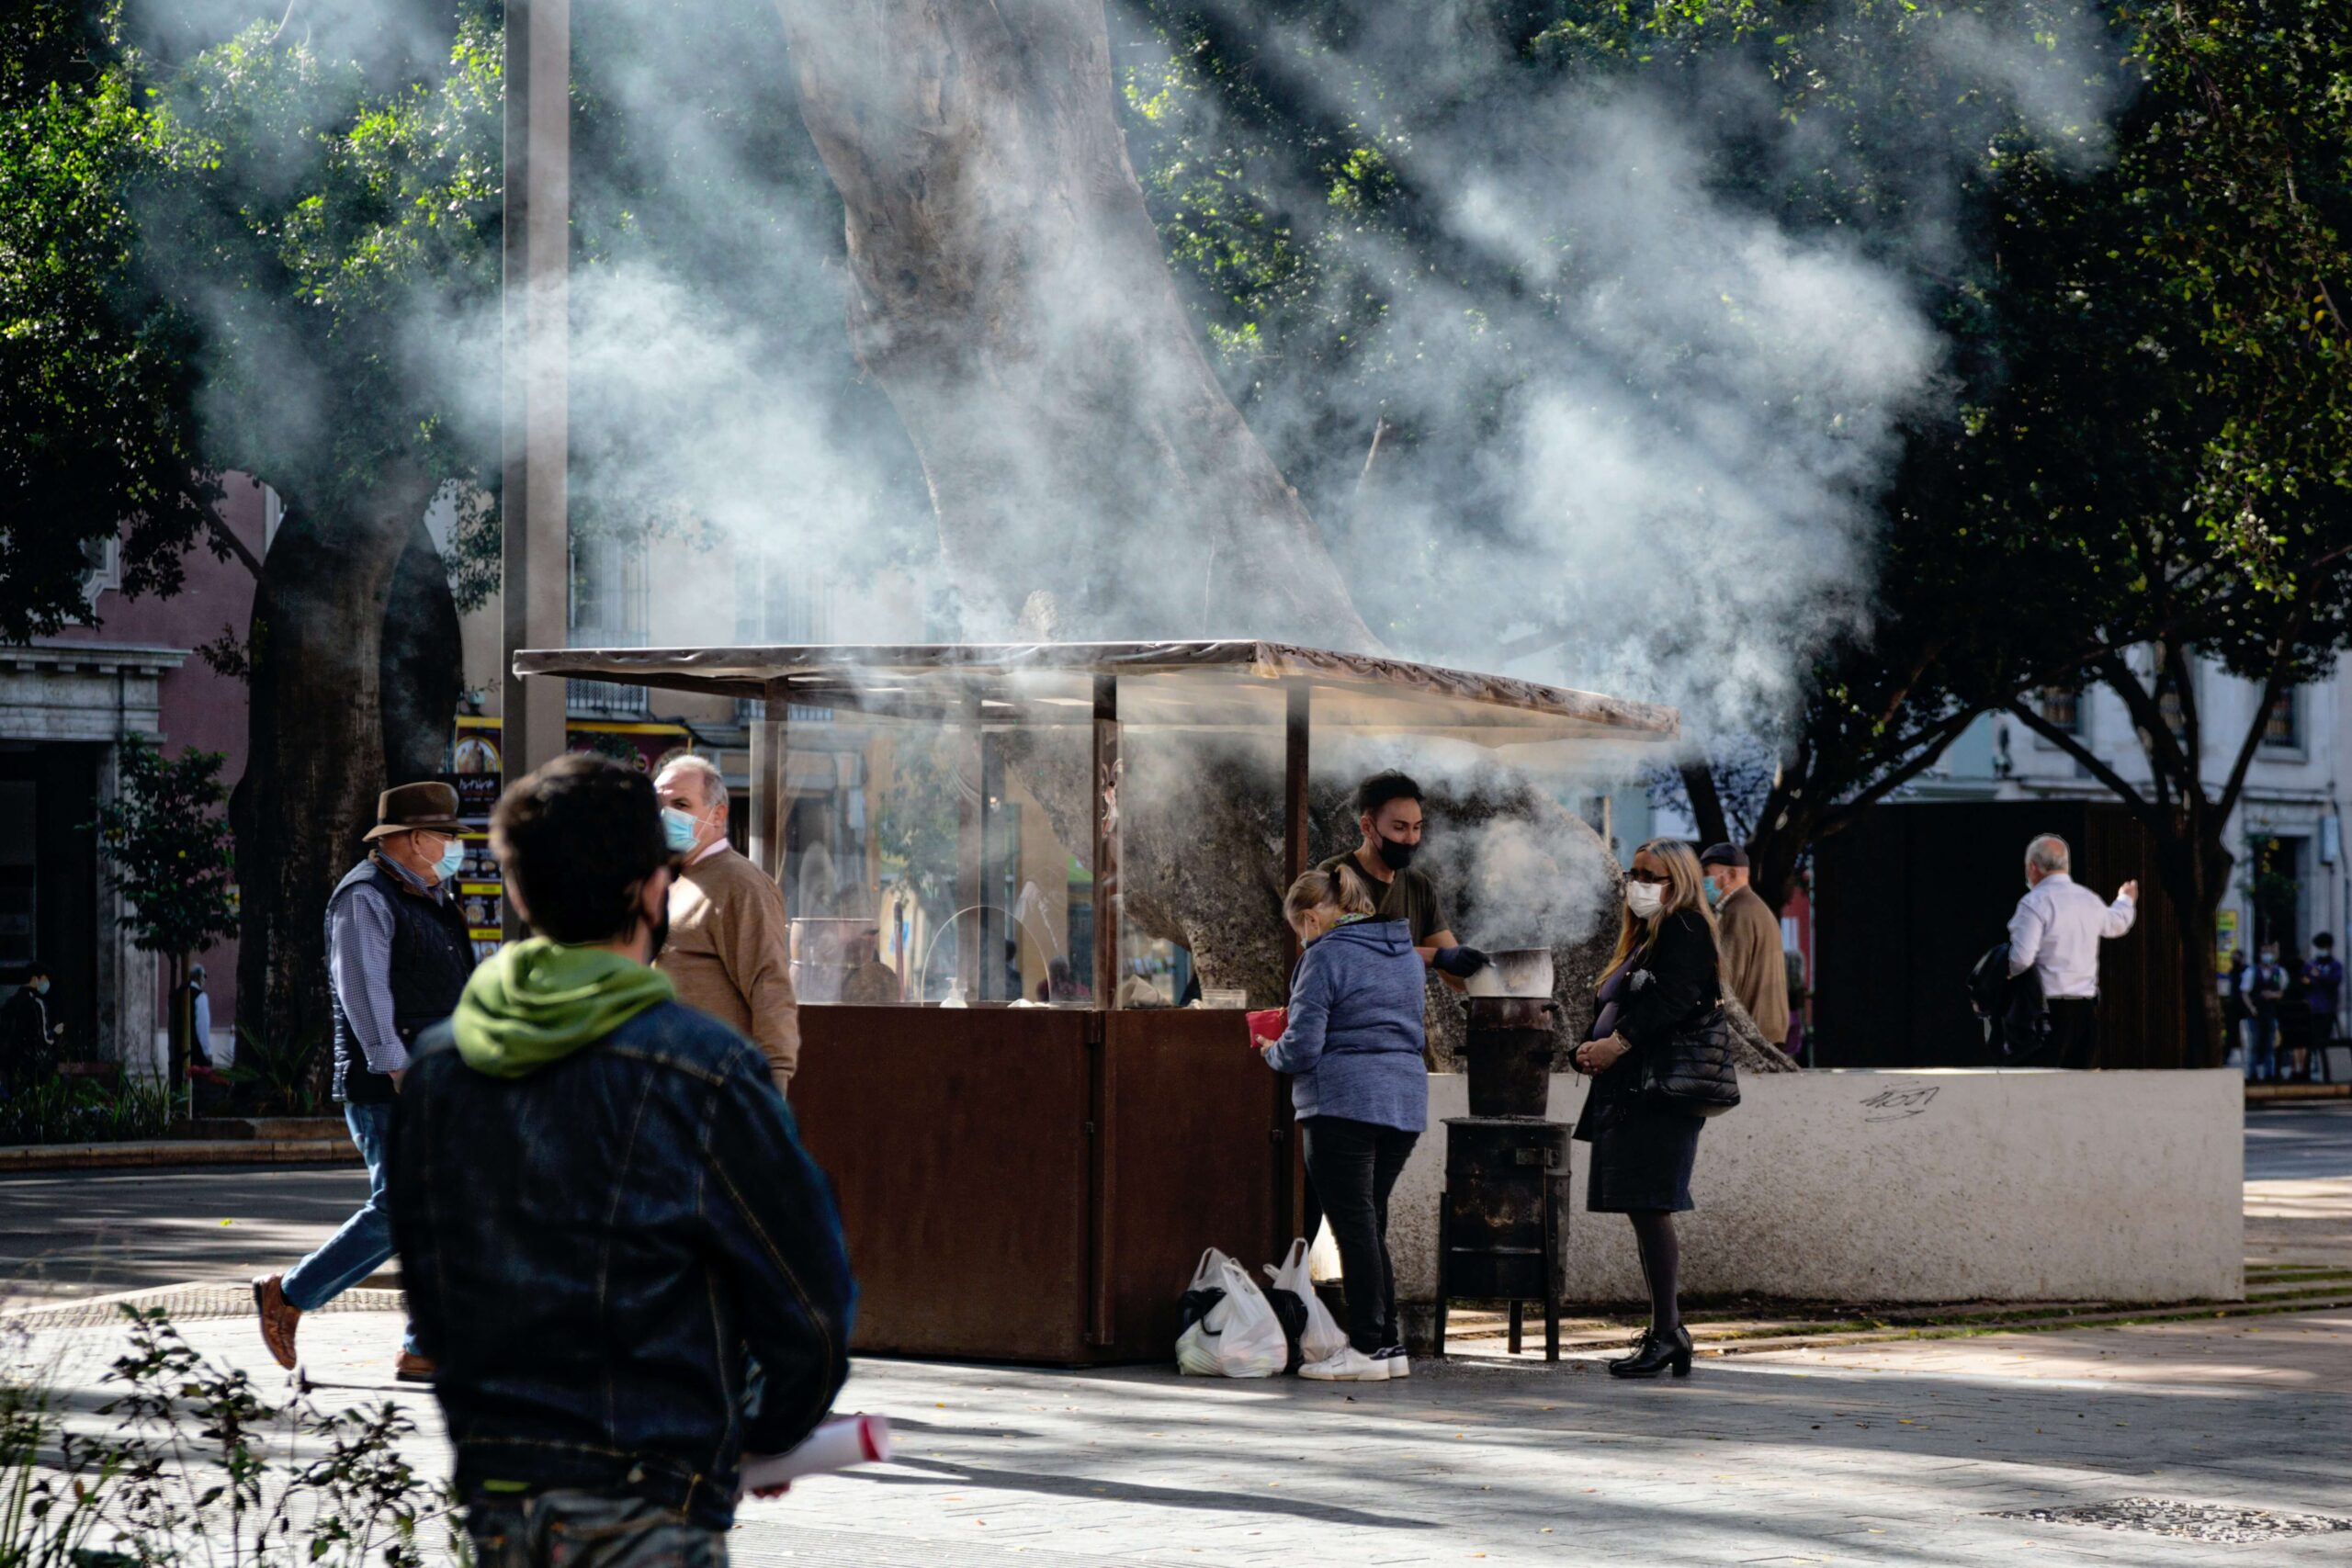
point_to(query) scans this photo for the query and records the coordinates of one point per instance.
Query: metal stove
(1503, 1222)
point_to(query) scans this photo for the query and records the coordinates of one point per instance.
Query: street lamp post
(534, 558)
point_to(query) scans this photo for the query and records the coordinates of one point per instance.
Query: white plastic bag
(1322, 1337)
(1231, 1331)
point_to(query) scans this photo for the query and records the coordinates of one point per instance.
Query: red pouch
(1267, 1024)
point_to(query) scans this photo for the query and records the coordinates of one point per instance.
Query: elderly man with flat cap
(398, 955)
(1753, 969)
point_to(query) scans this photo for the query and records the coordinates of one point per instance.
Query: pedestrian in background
(2055, 932)
(2325, 978)
(1665, 977)
(2294, 1021)
(1750, 935)
(2269, 992)
(606, 1216)
(2237, 1006)
(727, 953)
(1352, 1041)
(398, 955)
(28, 1039)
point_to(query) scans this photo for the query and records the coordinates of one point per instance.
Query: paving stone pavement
(1876, 1454)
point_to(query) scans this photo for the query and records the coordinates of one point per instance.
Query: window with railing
(610, 607)
(2062, 709)
(2282, 727)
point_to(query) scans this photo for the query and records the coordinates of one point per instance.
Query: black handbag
(1692, 1072)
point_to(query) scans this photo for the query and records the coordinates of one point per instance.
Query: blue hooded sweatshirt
(1353, 1040)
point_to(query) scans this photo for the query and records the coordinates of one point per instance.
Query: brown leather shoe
(412, 1368)
(279, 1318)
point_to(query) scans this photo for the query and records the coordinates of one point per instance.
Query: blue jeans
(2261, 1056)
(365, 1243)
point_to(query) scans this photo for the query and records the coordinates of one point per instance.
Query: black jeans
(1354, 1166)
(2073, 1031)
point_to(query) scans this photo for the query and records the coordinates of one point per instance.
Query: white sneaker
(1398, 1366)
(1350, 1365)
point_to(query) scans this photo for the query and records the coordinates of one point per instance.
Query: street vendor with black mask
(1388, 810)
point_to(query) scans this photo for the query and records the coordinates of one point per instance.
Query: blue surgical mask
(451, 859)
(681, 830)
(39, 987)
(1714, 894)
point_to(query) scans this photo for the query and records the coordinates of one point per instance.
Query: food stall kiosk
(1028, 1171)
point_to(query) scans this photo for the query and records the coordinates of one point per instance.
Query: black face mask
(1396, 856)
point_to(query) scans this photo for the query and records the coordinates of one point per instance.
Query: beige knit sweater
(726, 954)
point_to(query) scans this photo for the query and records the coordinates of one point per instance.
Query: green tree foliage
(98, 375)
(166, 842)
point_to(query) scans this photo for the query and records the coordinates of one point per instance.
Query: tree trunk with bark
(422, 663)
(1009, 291)
(316, 751)
(2196, 876)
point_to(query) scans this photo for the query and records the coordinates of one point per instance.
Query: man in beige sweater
(1754, 970)
(725, 950)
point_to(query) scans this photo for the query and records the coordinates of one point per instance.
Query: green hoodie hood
(539, 1001)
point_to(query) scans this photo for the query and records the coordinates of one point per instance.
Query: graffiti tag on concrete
(1897, 1104)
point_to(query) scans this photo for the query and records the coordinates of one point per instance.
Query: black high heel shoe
(1658, 1353)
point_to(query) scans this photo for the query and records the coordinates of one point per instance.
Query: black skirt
(1641, 1161)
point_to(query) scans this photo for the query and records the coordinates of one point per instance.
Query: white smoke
(1657, 452)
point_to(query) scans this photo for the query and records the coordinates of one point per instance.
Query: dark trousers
(2073, 1031)
(588, 1529)
(1354, 1166)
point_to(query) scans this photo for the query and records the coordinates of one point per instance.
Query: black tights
(1661, 1266)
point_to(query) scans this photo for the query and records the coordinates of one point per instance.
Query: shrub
(198, 1468)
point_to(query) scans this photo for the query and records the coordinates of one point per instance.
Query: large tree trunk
(1009, 293)
(2196, 876)
(423, 661)
(315, 758)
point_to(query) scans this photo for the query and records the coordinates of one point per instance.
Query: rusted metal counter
(1035, 1184)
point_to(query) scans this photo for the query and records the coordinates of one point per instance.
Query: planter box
(1918, 1186)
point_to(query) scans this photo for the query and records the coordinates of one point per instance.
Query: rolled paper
(836, 1444)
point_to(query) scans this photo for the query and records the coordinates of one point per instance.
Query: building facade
(2291, 880)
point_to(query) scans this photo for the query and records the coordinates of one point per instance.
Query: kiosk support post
(1106, 840)
(770, 742)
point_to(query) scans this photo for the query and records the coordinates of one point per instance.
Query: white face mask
(1644, 898)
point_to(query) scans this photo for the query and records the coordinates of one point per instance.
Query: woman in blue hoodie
(1353, 1048)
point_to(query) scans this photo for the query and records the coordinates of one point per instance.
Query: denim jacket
(591, 1251)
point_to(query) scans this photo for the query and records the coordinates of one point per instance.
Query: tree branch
(1706, 803)
(2139, 804)
(226, 543)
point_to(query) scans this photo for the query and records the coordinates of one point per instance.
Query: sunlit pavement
(1877, 1454)
(1928, 1453)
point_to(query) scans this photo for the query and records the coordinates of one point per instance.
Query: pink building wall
(202, 709)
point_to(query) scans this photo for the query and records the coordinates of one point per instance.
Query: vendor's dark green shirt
(1410, 895)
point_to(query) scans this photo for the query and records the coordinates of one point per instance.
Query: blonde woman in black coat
(1665, 979)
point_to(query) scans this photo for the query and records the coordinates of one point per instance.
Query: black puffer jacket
(1672, 986)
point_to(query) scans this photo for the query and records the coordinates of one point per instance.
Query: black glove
(1460, 962)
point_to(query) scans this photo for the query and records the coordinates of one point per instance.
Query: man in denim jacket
(603, 1214)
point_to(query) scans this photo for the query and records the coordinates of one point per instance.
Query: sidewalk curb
(171, 1152)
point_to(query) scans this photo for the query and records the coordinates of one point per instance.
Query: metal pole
(771, 743)
(534, 569)
(1107, 768)
(1297, 705)
(971, 842)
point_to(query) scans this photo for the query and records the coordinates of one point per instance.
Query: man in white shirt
(2055, 932)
